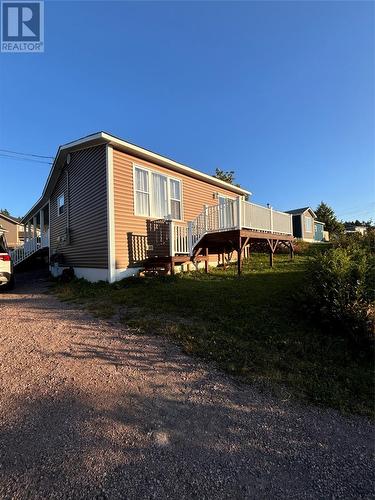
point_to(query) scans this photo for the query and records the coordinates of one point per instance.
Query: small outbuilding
(306, 226)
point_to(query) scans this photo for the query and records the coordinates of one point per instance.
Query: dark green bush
(309, 249)
(340, 291)
(355, 241)
(302, 247)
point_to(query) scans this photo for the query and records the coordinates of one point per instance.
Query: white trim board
(110, 215)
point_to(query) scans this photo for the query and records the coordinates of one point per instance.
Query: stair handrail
(29, 247)
(214, 218)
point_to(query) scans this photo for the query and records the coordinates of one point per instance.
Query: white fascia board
(102, 138)
(178, 167)
(311, 212)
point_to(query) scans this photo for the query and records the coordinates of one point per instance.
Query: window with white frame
(60, 204)
(142, 192)
(175, 198)
(156, 195)
(308, 224)
(159, 195)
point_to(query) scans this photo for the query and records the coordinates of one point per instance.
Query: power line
(366, 208)
(25, 154)
(2, 155)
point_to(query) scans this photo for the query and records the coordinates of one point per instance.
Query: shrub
(340, 292)
(355, 241)
(306, 248)
(301, 247)
(67, 275)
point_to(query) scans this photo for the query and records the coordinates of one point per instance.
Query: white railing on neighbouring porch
(30, 246)
(229, 215)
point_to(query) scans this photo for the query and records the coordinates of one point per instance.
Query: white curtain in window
(159, 195)
(142, 198)
(141, 180)
(175, 196)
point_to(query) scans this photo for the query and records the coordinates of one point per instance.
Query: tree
(4, 211)
(224, 175)
(327, 215)
(367, 223)
(227, 176)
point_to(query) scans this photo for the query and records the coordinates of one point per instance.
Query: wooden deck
(235, 225)
(236, 240)
(222, 243)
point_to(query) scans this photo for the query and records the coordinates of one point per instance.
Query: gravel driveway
(88, 410)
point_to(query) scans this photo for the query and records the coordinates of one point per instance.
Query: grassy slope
(249, 326)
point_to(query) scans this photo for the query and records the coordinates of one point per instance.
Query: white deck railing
(230, 215)
(178, 239)
(265, 219)
(30, 246)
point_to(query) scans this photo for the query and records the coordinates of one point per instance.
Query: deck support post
(223, 260)
(273, 245)
(206, 260)
(240, 251)
(291, 250)
(239, 259)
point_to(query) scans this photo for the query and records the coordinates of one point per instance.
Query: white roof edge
(314, 214)
(133, 147)
(120, 142)
(173, 163)
(83, 140)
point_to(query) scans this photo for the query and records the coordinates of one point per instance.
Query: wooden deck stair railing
(230, 215)
(30, 246)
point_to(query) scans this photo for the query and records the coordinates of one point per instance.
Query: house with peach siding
(110, 208)
(13, 230)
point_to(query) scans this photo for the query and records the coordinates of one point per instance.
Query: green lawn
(249, 326)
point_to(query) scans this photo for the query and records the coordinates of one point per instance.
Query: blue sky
(280, 92)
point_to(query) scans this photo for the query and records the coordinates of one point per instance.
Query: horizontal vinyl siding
(195, 194)
(12, 231)
(86, 207)
(308, 234)
(58, 223)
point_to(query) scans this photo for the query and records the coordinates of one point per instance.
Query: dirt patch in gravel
(89, 410)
